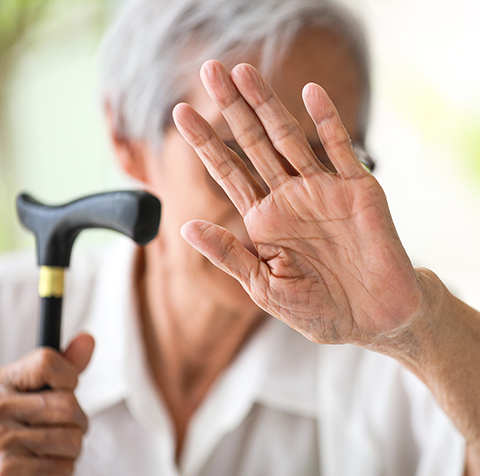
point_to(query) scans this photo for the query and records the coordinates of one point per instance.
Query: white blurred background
(425, 124)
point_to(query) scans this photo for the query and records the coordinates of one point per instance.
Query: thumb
(80, 351)
(221, 248)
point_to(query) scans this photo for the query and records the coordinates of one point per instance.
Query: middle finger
(283, 130)
(244, 124)
(45, 408)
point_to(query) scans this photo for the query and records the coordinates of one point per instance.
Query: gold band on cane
(51, 282)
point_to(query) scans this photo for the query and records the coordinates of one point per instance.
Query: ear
(130, 154)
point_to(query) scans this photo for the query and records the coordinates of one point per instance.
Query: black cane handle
(135, 214)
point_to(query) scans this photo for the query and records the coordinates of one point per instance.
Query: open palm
(330, 263)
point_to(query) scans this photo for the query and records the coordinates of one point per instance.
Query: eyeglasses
(364, 157)
(318, 150)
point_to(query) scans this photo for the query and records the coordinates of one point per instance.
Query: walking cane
(135, 214)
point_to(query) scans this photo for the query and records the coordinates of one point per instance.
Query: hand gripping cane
(133, 213)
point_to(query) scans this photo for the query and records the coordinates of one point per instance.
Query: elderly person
(190, 375)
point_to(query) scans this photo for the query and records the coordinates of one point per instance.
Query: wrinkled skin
(41, 431)
(330, 262)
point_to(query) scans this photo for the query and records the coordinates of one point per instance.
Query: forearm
(442, 347)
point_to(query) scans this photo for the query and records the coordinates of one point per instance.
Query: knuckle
(63, 467)
(199, 141)
(328, 119)
(51, 405)
(310, 169)
(69, 402)
(47, 358)
(73, 442)
(229, 246)
(231, 98)
(10, 439)
(70, 410)
(339, 143)
(9, 466)
(73, 381)
(44, 400)
(5, 408)
(250, 136)
(83, 421)
(223, 171)
(7, 428)
(67, 442)
(286, 130)
(262, 100)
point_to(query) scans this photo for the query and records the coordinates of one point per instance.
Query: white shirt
(285, 407)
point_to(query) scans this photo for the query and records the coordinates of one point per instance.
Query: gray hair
(154, 45)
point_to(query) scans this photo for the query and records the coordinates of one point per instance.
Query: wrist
(414, 342)
(440, 344)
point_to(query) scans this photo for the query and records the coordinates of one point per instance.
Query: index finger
(42, 367)
(283, 130)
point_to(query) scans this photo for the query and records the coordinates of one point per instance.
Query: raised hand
(330, 263)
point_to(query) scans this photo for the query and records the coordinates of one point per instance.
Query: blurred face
(182, 183)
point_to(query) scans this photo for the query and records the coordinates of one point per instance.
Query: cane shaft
(50, 322)
(51, 296)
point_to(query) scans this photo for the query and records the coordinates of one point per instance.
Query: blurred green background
(52, 141)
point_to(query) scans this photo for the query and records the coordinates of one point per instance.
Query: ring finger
(244, 124)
